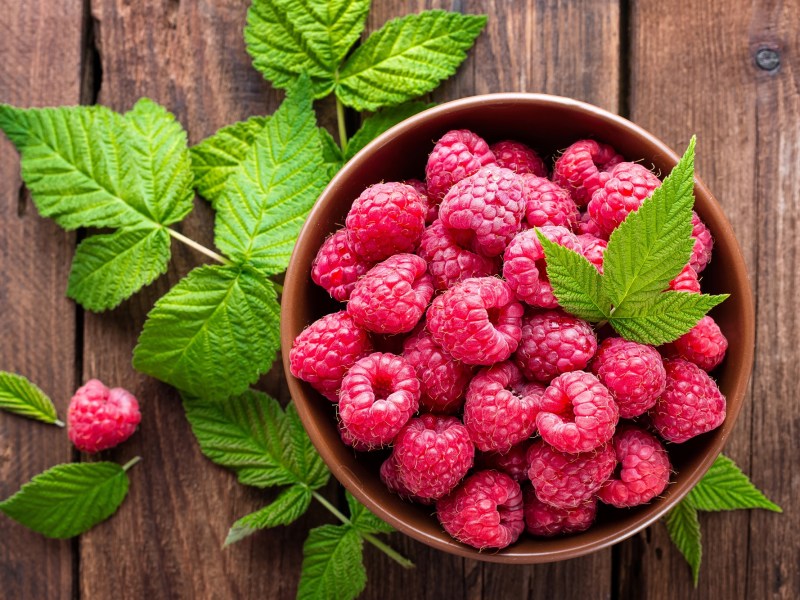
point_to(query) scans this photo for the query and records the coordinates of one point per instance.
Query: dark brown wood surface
(674, 67)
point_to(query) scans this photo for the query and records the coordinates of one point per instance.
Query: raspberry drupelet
(458, 154)
(581, 169)
(544, 520)
(336, 267)
(546, 203)
(518, 157)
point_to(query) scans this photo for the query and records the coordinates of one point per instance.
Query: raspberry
(485, 210)
(99, 418)
(703, 244)
(553, 343)
(628, 185)
(431, 209)
(448, 262)
(484, 512)
(594, 249)
(443, 378)
(568, 480)
(392, 296)
(548, 204)
(349, 440)
(546, 521)
(458, 154)
(386, 219)
(337, 268)
(690, 405)
(632, 372)
(496, 416)
(477, 321)
(577, 413)
(580, 168)
(525, 269)
(513, 463)
(518, 157)
(432, 455)
(704, 344)
(391, 479)
(588, 225)
(378, 396)
(324, 351)
(643, 469)
(686, 281)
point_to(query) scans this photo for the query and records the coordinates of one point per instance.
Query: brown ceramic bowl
(547, 123)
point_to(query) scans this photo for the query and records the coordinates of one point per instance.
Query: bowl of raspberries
(441, 373)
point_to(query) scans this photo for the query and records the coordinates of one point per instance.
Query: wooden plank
(41, 45)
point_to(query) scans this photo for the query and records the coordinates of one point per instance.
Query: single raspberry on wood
(703, 244)
(458, 154)
(581, 168)
(623, 191)
(336, 267)
(546, 203)
(99, 418)
(514, 462)
(704, 344)
(518, 157)
(594, 249)
(544, 520)
(391, 479)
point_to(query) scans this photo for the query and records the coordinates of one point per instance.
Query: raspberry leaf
(331, 153)
(363, 520)
(212, 334)
(21, 397)
(381, 121)
(289, 506)
(406, 58)
(332, 564)
(725, 487)
(684, 531)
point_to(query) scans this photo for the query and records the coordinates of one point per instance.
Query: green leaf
(68, 499)
(363, 520)
(21, 397)
(406, 58)
(213, 334)
(669, 316)
(381, 121)
(684, 531)
(107, 269)
(264, 204)
(332, 564)
(289, 37)
(331, 153)
(287, 508)
(725, 487)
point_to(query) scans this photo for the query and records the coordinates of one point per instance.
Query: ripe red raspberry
(393, 295)
(443, 378)
(548, 204)
(553, 343)
(643, 469)
(513, 463)
(594, 249)
(587, 225)
(458, 154)
(633, 373)
(391, 479)
(99, 418)
(704, 344)
(577, 413)
(448, 262)
(483, 512)
(378, 396)
(337, 268)
(324, 351)
(568, 480)
(431, 209)
(703, 244)
(518, 157)
(432, 454)
(495, 414)
(690, 405)
(545, 520)
(524, 265)
(349, 440)
(686, 281)
(386, 219)
(484, 211)
(580, 168)
(628, 185)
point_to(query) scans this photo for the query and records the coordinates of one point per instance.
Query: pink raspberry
(553, 343)
(587, 225)
(477, 321)
(577, 413)
(580, 169)
(378, 396)
(513, 463)
(432, 454)
(485, 210)
(458, 154)
(483, 512)
(632, 372)
(349, 440)
(386, 219)
(391, 479)
(337, 268)
(518, 157)
(443, 378)
(448, 262)
(703, 244)
(643, 469)
(690, 405)
(431, 209)
(686, 281)
(548, 204)
(568, 480)
(496, 416)
(594, 249)
(393, 295)
(704, 344)
(628, 185)
(99, 418)
(324, 351)
(524, 265)
(544, 520)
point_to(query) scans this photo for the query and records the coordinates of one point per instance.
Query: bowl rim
(674, 492)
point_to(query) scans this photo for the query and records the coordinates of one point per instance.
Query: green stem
(131, 462)
(199, 247)
(341, 123)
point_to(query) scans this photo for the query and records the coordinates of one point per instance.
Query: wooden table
(674, 67)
